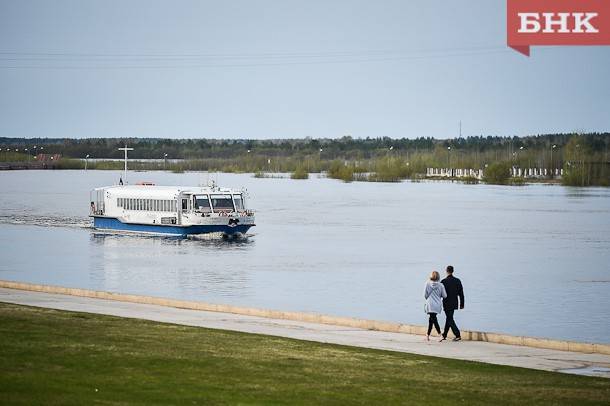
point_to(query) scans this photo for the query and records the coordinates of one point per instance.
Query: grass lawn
(57, 357)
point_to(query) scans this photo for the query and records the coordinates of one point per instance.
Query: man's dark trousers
(453, 301)
(450, 323)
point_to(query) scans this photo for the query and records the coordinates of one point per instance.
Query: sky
(286, 69)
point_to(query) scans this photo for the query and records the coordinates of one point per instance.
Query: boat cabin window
(239, 202)
(222, 202)
(202, 204)
(148, 204)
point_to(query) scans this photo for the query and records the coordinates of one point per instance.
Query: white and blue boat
(180, 211)
(171, 210)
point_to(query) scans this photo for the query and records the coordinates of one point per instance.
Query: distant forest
(585, 158)
(340, 148)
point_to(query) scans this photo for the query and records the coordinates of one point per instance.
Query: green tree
(577, 168)
(497, 173)
(300, 173)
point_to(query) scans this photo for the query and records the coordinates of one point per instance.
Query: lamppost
(552, 165)
(529, 163)
(164, 161)
(28, 154)
(449, 160)
(86, 161)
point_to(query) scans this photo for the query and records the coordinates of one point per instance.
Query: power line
(260, 60)
(247, 55)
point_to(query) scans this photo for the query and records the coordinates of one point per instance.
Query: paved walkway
(549, 360)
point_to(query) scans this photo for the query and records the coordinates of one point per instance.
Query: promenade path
(501, 354)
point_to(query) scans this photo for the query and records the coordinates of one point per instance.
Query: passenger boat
(171, 210)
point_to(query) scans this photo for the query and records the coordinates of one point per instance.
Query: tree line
(584, 157)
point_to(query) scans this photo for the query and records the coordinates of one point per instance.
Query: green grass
(58, 357)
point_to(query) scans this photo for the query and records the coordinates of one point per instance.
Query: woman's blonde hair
(435, 276)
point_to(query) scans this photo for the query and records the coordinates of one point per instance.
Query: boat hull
(111, 223)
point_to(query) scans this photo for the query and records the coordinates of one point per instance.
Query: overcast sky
(286, 69)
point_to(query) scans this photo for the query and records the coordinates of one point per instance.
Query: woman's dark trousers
(433, 321)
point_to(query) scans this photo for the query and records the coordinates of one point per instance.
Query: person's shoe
(457, 339)
(427, 338)
(442, 339)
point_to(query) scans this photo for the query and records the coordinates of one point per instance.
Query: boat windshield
(222, 202)
(202, 204)
(239, 202)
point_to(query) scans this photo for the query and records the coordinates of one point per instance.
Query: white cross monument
(125, 173)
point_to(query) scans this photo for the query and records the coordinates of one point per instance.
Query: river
(534, 260)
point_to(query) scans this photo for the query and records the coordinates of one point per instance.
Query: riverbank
(52, 356)
(24, 165)
(314, 327)
(302, 174)
(580, 159)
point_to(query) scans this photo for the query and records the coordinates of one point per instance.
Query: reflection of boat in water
(170, 210)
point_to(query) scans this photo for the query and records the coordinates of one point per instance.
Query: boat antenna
(125, 171)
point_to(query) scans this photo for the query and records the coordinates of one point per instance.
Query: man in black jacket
(454, 289)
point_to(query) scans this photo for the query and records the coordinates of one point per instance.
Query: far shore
(21, 166)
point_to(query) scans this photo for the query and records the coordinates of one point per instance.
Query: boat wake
(46, 221)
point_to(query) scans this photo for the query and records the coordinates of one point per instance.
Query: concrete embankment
(561, 345)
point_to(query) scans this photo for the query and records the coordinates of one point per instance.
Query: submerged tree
(497, 173)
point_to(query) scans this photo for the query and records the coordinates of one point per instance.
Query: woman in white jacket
(434, 294)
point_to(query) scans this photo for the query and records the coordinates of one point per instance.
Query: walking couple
(443, 295)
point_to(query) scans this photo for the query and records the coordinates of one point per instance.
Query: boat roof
(164, 190)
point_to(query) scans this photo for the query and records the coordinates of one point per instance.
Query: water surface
(534, 260)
